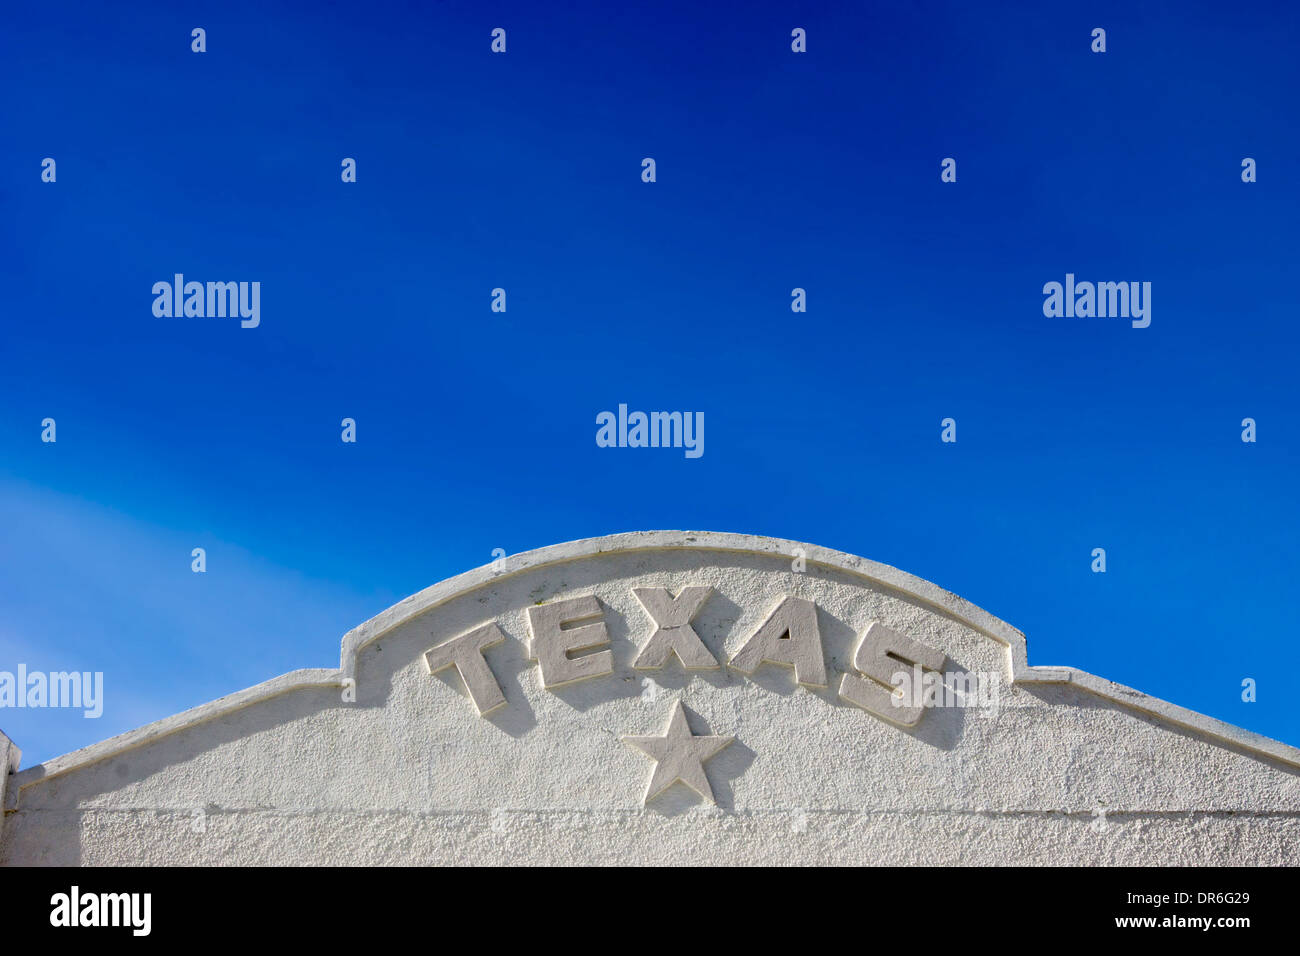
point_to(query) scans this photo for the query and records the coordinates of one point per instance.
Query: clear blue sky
(775, 170)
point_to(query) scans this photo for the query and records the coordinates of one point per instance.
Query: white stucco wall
(1067, 768)
(10, 756)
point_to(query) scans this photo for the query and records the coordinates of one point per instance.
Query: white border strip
(916, 588)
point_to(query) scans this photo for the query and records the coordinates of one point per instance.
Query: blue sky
(522, 171)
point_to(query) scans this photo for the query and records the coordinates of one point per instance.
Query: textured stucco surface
(9, 759)
(410, 772)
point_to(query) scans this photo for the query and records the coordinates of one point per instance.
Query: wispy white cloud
(85, 587)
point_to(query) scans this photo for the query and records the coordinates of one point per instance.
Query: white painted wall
(10, 756)
(1069, 768)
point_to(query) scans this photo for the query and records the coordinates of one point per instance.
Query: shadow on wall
(1065, 695)
(334, 752)
(58, 831)
(721, 622)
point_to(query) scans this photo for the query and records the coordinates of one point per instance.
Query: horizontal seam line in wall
(211, 810)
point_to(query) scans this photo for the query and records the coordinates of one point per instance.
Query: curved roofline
(431, 597)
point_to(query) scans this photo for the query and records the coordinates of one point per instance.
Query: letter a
(789, 637)
(1052, 307)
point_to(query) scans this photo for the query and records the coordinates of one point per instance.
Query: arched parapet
(646, 673)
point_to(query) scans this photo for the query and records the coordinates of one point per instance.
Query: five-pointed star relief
(678, 755)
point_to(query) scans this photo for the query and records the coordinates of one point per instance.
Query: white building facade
(670, 698)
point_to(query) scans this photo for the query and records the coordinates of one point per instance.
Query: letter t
(465, 653)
